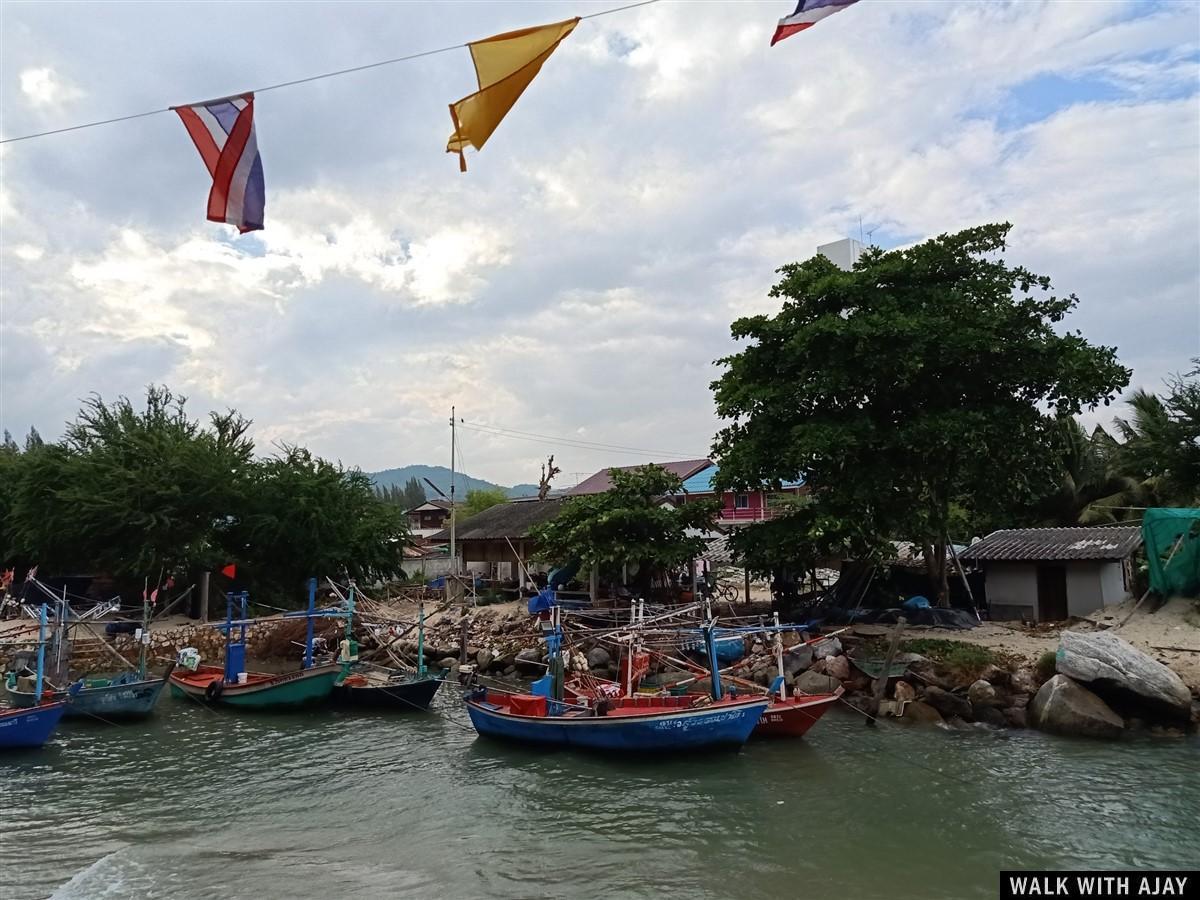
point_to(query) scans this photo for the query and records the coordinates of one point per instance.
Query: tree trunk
(943, 586)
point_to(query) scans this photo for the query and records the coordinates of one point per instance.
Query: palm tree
(1161, 443)
(1092, 488)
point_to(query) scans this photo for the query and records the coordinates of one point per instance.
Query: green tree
(414, 494)
(628, 523)
(131, 491)
(1092, 488)
(1161, 441)
(913, 383)
(302, 515)
(481, 499)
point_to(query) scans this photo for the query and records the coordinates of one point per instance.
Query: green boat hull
(281, 692)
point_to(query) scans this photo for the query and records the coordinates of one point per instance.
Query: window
(741, 501)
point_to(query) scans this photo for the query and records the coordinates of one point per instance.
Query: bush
(963, 660)
(1046, 665)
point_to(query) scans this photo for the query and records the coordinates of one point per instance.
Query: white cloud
(44, 87)
(582, 276)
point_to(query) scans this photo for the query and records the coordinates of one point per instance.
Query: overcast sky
(580, 279)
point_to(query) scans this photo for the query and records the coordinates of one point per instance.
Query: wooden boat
(129, 695)
(793, 716)
(125, 696)
(259, 690)
(22, 728)
(637, 724)
(626, 724)
(382, 687)
(231, 685)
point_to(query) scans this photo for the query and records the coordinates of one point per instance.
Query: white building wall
(843, 254)
(1083, 588)
(1012, 590)
(1113, 588)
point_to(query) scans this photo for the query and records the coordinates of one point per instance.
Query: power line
(295, 81)
(499, 431)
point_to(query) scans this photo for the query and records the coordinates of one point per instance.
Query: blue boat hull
(674, 731)
(128, 700)
(28, 727)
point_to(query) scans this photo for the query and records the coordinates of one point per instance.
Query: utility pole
(453, 551)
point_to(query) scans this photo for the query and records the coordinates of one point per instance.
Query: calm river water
(197, 804)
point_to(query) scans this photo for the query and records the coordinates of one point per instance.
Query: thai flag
(223, 132)
(808, 13)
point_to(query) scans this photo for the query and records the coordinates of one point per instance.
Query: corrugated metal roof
(600, 482)
(1057, 544)
(513, 519)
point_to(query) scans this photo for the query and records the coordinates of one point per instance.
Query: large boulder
(904, 692)
(921, 713)
(948, 704)
(815, 683)
(1119, 672)
(529, 661)
(981, 693)
(1064, 707)
(798, 660)
(483, 659)
(837, 667)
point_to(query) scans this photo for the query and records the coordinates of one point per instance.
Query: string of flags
(222, 130)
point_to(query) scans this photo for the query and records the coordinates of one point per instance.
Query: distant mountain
(440, 476)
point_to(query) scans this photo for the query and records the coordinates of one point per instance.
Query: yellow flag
(505, 64)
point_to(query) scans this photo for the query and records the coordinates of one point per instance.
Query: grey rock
(837, 667)
(981, 693)
(922, 713)
(448, 662)
(948, 704)
(1115, 669)
(1015, 716)
(798, 660)
(829, 647)
(989, 715)
(529, 660)
(903, 691)
(1064, 707)
(483, 659)
(814, 683)
(598, 658)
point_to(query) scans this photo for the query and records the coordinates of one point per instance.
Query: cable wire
(500, 431)
(283, 84)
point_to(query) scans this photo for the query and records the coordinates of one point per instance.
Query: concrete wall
(1012, 590)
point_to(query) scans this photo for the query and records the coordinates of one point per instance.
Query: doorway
(1052, 593)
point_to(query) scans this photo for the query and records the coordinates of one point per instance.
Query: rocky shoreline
(1094, 685)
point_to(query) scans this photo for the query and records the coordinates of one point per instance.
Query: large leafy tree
(302, 515)
(912, 384)
(131, 491)
(480, 499)
(628, 523)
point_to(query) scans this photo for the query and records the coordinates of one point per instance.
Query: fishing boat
(789, 714)
(128, 695)
(365, 684)
(31, 727)
(232, 685)
(627, 724)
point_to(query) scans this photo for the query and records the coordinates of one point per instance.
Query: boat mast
(714, 667)
(308, 631)
(41, 656)
(779, 659)
(145, 638)
(420, 637)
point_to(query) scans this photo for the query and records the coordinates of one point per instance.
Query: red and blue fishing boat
(32, 727)
(232, 685)
(625, 724)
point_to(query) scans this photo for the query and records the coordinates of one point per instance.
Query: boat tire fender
(214, 689)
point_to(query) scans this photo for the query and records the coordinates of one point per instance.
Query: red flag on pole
(230, 571)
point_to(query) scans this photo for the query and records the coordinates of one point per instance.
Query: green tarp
(1172, 541)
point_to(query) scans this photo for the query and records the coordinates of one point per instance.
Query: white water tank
(843, 253)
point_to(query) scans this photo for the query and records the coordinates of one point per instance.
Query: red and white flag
(808, 13)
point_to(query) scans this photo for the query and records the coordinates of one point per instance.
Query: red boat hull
(795, 715)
